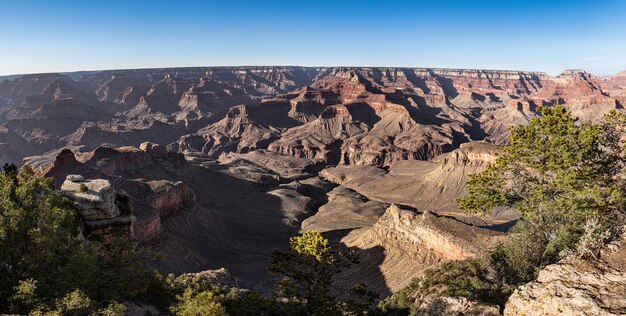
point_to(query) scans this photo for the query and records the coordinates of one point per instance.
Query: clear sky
(48, 36)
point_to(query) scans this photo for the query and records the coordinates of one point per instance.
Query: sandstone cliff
(404, 242)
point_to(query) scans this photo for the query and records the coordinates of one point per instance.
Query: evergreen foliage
(46, 264)
(566, 181)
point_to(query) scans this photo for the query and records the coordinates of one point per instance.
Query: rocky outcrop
(404, 242)
(151, 200)
(470, 155)
(148, 225)
(118, 161)
(415, 232)
(455, 306)
(575, 286)
(154, 150)
(220, 277)
(105, 212)
(126, 160)
(168, 198)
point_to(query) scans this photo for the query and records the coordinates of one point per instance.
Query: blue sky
(47, 36)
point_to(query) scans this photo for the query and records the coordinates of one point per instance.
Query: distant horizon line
(3, 76)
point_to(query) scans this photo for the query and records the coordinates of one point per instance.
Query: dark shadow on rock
(367, 271)
(502, 227)
(493, 97)
(426, 115)
(236, 226)
(333, 156)
(335, 236)
(474, 130)
(446, 84)
(416, 80)
(478, 97)
(377, 76)
(362, 112)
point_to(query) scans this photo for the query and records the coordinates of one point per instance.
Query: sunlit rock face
(109, 174)
(335, 115)
(222, 165)
(404, 242)
(416, 233)
(575, 286)
(100, 206)
(455, 306)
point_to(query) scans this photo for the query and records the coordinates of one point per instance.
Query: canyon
(221, 165)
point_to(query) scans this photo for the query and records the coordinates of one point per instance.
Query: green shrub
(565, 180)
(83, 188)
(43, 258)
(557, 174)
(199, 304)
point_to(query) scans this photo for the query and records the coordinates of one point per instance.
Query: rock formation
(340, 115)
(105, 212)
(169, 198)
(455, 306)
(446, 237)
(249, 156)
(576, 286)
(152, 200)
(404, 242)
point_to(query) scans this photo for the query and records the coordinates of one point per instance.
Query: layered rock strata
(100, 206)
(152, 201)
(336, 115)
(404, 242)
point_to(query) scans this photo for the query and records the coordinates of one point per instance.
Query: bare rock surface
(98, 204)
(218, 277)
(405, 242)
(170, 198)
(95, 201)
(427, 185)
(150, 200)
(456, 306)
(575, 286)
